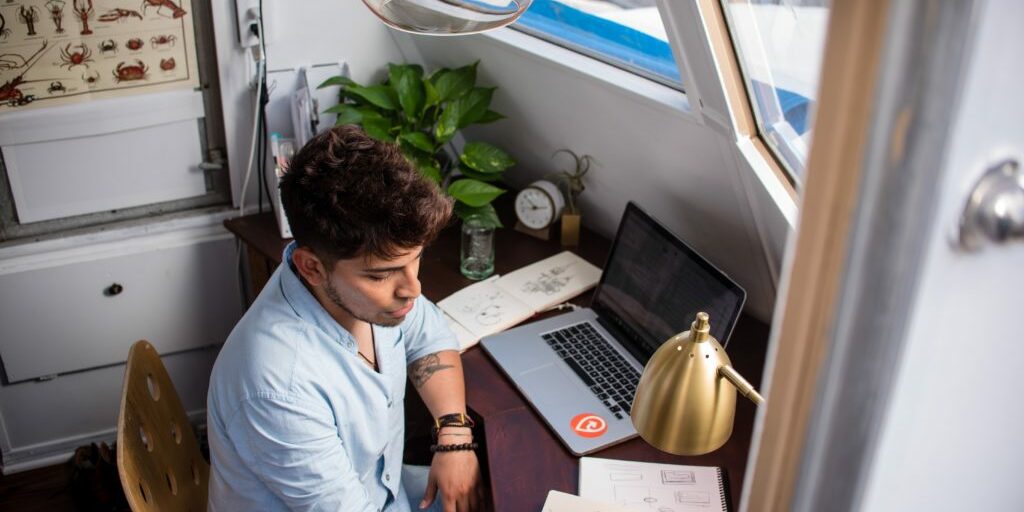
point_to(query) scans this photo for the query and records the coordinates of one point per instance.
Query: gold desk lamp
(686, 399)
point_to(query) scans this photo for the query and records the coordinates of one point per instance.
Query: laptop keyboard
(600, 366)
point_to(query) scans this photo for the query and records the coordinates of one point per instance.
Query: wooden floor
(44, 489)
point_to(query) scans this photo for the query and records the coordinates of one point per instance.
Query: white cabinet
(86, 314)
(65, 333)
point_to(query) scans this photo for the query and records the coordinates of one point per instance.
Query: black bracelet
(459, 419)
(435, 448)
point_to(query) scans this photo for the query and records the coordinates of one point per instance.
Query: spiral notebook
(649, 486)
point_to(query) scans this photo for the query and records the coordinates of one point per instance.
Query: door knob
(994, 212)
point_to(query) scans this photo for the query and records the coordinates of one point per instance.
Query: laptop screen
(654, 284)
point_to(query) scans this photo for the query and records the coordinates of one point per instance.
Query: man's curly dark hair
(347, 195)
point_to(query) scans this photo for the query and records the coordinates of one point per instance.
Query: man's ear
(309, 266)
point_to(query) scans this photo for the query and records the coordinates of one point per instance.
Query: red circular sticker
(588, 425)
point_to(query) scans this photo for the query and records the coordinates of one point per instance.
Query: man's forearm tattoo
(422, 369)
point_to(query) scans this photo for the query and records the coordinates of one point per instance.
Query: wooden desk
(523, 459)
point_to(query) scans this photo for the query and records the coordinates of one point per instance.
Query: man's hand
(457, 475)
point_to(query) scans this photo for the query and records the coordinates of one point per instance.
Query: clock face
(535, 208)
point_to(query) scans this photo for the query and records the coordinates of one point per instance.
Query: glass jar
(477, 258)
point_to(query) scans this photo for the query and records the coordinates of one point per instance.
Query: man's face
(376, 290)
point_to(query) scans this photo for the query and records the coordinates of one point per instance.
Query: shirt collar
(306, 305)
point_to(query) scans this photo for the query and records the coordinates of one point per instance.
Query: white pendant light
(447, 17)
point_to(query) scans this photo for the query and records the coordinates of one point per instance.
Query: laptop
(579, 370)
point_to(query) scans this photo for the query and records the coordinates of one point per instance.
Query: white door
(952, 437)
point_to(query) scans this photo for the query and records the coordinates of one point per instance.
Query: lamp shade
(686, 400)
(447, 17)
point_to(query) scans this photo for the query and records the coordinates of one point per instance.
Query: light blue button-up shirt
(297, 421)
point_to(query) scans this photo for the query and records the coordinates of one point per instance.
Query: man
(306, 397)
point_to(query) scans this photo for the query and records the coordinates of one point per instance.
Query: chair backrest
(158, 457)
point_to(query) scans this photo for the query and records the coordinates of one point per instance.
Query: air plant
(573, 180)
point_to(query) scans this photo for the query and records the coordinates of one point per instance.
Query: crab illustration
(134, 44)
(108, 46)
(167, 64)
(75, 55)
(125, 72)
(56, 86)
(162, 41)
(91, 77)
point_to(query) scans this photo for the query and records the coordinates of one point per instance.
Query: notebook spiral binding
(723, 488)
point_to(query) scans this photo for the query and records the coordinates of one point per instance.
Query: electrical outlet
(247, 13)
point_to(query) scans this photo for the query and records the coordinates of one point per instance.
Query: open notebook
(649, 486)
(497, 303)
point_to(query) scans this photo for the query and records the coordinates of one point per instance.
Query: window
(625, 33)
(780, 44)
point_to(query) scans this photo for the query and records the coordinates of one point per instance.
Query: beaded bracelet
(435, 448)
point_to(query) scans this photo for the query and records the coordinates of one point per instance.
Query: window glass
(626, 33)
(780, 45)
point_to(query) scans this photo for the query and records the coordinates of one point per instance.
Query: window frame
(597, 55)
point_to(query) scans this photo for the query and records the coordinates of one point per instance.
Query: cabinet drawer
(104, 155)
(87, 314)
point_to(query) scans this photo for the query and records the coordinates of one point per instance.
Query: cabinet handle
(114, 289)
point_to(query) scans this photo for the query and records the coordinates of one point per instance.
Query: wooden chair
(158, 456)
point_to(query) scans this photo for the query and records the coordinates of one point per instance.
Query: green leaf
(343, 81)
(382, 96)
(377, 126)
(485, 158)
(473, 105)
(474, 192)
(489, 117)
(431, 96)
(477, 175)
(453, 83)
(486, 213)
(347, 114)
(448, 124)
(419, 140)
(408, 84)
(424, 162)
(433, 172)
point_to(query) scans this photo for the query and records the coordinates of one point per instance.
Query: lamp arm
(741, 384)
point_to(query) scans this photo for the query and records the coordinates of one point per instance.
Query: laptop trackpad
(542, 385)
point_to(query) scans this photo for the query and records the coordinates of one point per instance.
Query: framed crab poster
(56, 52)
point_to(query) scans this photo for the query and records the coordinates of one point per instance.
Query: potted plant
(422, 113)
(573, 183)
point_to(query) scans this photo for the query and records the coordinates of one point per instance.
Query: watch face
(535, 208)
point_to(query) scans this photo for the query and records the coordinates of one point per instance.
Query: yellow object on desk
(686, 401)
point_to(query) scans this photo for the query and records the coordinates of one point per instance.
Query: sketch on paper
(626, 476)
(636, 496)
(549, 282)
(652, 487)
(678, 477)
(698, 498)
